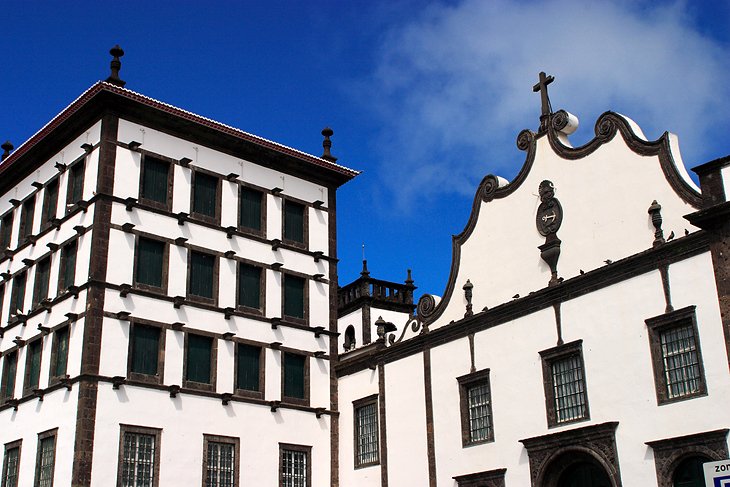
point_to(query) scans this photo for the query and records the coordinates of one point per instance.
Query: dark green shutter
(75, 183)
(68, 266)
(201, 274)
(294, 376)
(294, 221)
(199, 358)
(145, 349)
(50, 202)
(34, 364)
(6, 231)
(250, 211)
(59, 367)
(247, 375)
(18, 296)
(150, 262)
(42, 274)
(26, 218)
(205, 189)
(9, 369)
(249, 286)
(294, 296)
(155, 180)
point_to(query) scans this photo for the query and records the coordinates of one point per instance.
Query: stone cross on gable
(541, 86)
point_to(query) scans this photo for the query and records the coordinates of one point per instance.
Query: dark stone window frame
(52, 433)
(670, 452)
(28, 387)
(294, 319)
(159, 377)
(50, 203)
(8, 381)
(488, 478)
(6, 229)
(18, 295)
(170, 180)
(357, 405)
(549, 357)
(307, 450)
(11, 446)
(140, 430)
(261, 310)
(63, 264)
(216, 275)
(228, 440)
(41, 282)
(165, 263)
(202, 386)
(252, 231)
(307, 393)
(218, 194)
(56, 378)
(304, 245)
(465, 383)
(262, 370)
(661, 324)
(78, 165)
(27, 218)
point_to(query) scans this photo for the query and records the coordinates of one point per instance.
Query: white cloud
(453, 85)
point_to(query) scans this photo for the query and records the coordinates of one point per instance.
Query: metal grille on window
(138, 463)
(294, 468)
(480, 412)
(681, 365)
(367, 434)
(569, 389)
(10, 475)
(45, 462)
(220, 465)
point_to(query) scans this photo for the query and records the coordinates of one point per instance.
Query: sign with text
(717, 474)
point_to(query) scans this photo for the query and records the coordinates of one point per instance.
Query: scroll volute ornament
(548, 219)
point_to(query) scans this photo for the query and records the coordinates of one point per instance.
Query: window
(59, 354)
(296, 470)
(295, 223)
(366, 431)
(202, 276)
(67, 271)
(146, 353)
(139, 457)
(42, 276)
(17, 299)
(75, 191)
(10, 368)
(251, 209)
(45, 459)
(690, 473)
(676, 357)
(155, 187)
(206, 197)
(150, 264)
(295, 298)
(199, 361)
(250, 287)
(295, 378)
(2, 300)
(565, 385)
(26, 219)
(220, 464)
(6, 230)
(50, 203)
(11, 464)
(32, 366)
(475, 399)
(249, 370)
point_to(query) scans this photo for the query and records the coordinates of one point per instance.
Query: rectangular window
(67, 271)
(476, 408)
(17, 299)
(248, 368)
(42, 276)
(146, 344)
(150, 264)
(295, 378)
(205, 196)
(11, 464)
(75, 191)
(33, 352)
(249, 286)
(294, 297)
(220, 465)
(50, 203)
(565, 385)
(6, 230)
(26, 219)
(202, 276)
(199, 361)
(59, 353)
(250, 212)
(139, 457)
(366, 431)
(294, 222)
(676, 357)
(10, 368)
(296, 470)
(2, 300)
(45, 459)
(154, 187)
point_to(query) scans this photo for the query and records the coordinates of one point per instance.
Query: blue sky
(425, 97)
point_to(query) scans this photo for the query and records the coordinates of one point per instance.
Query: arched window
(689, 472)
(349, 338)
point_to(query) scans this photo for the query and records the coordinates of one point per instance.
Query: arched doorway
(584, 474)
(689, 472)
(576, 468)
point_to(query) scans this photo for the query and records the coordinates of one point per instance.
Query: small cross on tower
(541, 86)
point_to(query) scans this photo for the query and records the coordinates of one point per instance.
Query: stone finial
(116, 65)
(365, 272)
(7, 148)
(409, 278)
(468, 287)
(655, 210)
(327, 144)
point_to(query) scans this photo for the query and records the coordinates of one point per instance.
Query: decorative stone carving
(655, 210)
(669, 453)
(548, 219)
(468, 295)
(488, 188)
